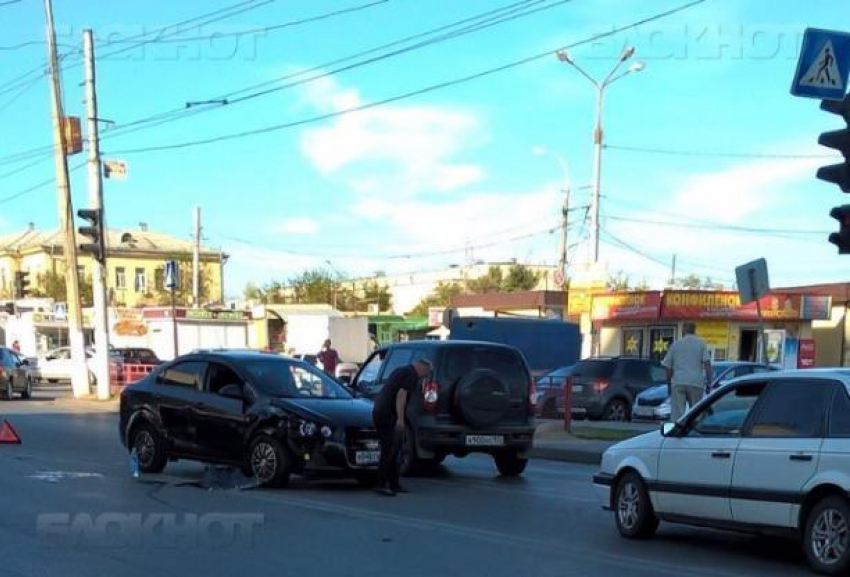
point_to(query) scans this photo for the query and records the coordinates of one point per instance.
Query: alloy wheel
(628, 505)
(145, 447)
(617, 412)
(830, 536)
(264, 462)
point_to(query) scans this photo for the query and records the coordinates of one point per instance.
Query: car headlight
(665, 405)
(307, 429)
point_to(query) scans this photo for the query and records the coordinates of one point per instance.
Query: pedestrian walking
(329, 358)
(388, 416)
(688, 370)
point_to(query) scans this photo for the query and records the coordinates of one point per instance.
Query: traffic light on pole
(22, 284)
(841, 239)
(839, 140)
(96, 247)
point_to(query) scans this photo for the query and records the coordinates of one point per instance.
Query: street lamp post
(598, 137)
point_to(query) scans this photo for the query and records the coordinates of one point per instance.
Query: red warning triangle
(8, 434)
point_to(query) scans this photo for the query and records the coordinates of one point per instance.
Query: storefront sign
(129, 322)
(775, 346)
(626, 306)
(578, 302)
(435, 316)
(197, 314)
(806, 354)
(727, 306)
(816, 307)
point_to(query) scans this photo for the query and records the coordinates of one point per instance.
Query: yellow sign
(578, 302)
(715, 334)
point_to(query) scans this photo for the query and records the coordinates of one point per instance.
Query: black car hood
(345, 413)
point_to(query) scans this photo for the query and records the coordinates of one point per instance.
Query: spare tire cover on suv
(482, 397)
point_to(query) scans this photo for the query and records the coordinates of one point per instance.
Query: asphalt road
(71, 475)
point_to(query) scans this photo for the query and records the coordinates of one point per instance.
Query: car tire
(27, 392)
(633, 510)
(9, 393)
(271, 462)
(149, 447)
(826, 536)
(616, 410)
(510, 464)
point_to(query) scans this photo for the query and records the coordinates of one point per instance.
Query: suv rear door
(459, 361)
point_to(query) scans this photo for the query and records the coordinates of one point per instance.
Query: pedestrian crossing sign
(823, 65)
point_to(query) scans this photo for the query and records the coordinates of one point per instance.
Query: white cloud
(299, 225)
(398, 149)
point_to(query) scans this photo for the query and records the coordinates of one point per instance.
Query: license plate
(578, 388)
(367, 457)
(485, 440)
(643, 411)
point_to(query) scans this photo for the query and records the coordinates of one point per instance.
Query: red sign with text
(806, 355)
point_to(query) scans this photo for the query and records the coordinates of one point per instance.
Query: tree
(692, 282)
(521, 278)
(442, 296)
(619, 282)
(380, 295)
(493, 281)
(54, 286)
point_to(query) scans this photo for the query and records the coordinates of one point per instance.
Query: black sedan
(270, 415)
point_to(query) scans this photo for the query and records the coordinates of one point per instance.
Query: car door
(57, 366)
(176, 389)
(695, 466)
(19, 371)
(366, 381)
(219, 422)
(779, 451)
(7, 370)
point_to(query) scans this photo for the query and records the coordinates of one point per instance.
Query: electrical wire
(37, 186)
(406, 95)
(695, 153)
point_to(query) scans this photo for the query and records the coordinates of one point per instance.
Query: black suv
(270, 415)
(477, 400)
(606, 387)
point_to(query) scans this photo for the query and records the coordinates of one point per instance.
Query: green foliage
(520, 278)
(619, 281)
(160, 296)
(318, 286)
(493, 281)
(442, 296)
(54, 285)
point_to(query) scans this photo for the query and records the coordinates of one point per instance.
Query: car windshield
(284, 378)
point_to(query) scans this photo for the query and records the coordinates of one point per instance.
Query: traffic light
(22, 284)
(841, 239)
(96, 247)
(839, 140)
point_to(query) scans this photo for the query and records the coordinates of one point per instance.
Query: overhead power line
(717, 226)
(35, 187)
(481, 21)
(716, 154)
(406, 95)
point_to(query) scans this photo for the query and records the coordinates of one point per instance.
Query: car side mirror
(232, 392)
(669, 429)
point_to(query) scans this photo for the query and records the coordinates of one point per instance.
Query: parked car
(766, 453)
(654, 402)
(15, 374)
(56, 366)
(272, 416)
(548, 396)
(136, 356)
(477, 400)
(606, 387)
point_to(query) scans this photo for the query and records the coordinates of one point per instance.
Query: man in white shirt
(688, 370)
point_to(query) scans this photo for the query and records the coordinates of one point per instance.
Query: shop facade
(645, 323)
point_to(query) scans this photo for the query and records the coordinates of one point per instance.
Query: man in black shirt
(388, 415)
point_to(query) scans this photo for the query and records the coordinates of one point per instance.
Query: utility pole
(101, 322)
(79, 374)
(196, 261)
(673, 272)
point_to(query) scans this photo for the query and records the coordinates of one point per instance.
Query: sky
(383, 163)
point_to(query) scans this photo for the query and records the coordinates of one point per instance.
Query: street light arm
(611, 78)
(585, 74)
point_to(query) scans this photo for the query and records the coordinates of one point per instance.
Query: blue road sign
(172, 275)
(823, 65)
